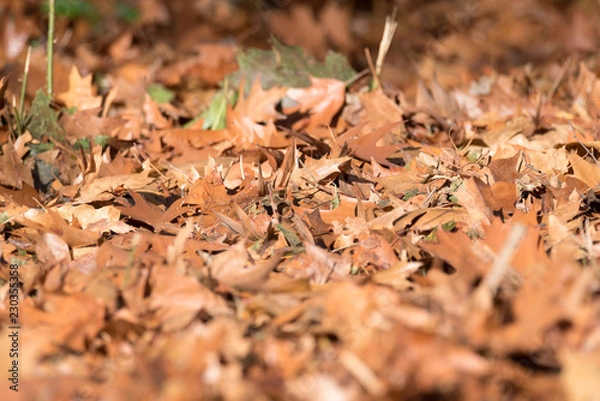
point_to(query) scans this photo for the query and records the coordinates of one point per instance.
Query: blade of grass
(50, 47)
(24, 84)
(384, 46)
(386, 41)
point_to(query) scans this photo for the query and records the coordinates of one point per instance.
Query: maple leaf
(81, 94)
(248, 133)
(259, 104)
(322, 100)
(13, 172)
(289, 66)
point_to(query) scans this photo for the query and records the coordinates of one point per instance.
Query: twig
(587, 150)
(500, 267)
(561, 75)
(386, 40)
(376, 83)
(384, 46)
(24, 83)
(50, 47)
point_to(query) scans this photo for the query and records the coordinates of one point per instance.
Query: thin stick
(502, 262)
(24, 84)
(50, 47)
(376, 82)
(484, 294)
(561, 74)
(386, 40)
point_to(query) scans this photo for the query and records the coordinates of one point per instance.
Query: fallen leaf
(322, 100)
(81, 94)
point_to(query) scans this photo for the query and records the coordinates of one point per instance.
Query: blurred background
(450, 38)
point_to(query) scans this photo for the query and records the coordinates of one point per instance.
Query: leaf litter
(197, 221)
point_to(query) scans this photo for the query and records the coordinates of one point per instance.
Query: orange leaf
(322, 100)
(81, 94)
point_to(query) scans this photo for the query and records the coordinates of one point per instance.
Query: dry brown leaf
(435, 238)
(177, 299)
(26, 196)
(247, 133)
(585, 171)
(103, 188)
(13, 173)
(372, 145)
(322, 100)
(259, 105)
(81, 94)
(51, 249)
(63, 321)
(236, 268)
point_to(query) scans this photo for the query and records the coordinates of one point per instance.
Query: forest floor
(229, 201)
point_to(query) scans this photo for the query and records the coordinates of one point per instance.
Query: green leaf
(449, 225)
(127, 12)
(335, 201)
(432, 237)
(44, 120)
(215, 115)
(474, 234)
(455, 185)
(70, 111)
(160, 94)
(74, 9)
(82, 143)
(101, 140)
(37, 148)
(18, 261)
(410, 193)
(288, 66)
(4, 217)
(336, 66)
(290, 236)
(473, 155)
